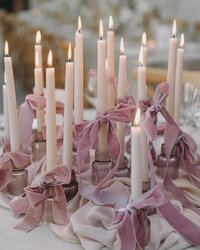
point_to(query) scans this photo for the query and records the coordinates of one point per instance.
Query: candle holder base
(146, 186)
(123, 170)
(38, 146)
(71, 188)
(18, 182)
(47, 217)
(86, 164)
(101, 166)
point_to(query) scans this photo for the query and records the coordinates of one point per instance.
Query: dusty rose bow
(151, 110)
(34, 202)
(86, 133)
(26, 116)
(5, 143)
(11, 161)
(131, 227)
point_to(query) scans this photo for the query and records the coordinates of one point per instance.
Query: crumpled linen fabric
(92, 226)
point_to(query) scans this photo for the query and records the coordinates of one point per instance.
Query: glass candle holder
(71, 188)
(86, 164)
(18, 182)
(48, 211)
(38, 146)
(147, 226)
(123, 169)
(146, 186)
(173, 167)
(101, 166)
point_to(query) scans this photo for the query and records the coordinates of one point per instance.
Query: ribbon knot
(130, 221)
(102, 118)
(33, 204)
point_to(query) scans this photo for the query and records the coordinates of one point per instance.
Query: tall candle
(141, 73)
(39, 89)
(68, 110)
(145, 49)
(121, 93)
(171, 71)
(78, 75)
(51, 143)
(111, 65)
(179, 80)
(5, 111)
(12, 103)
(102, 86)
(136, 159)
(38, 48)
(142, 94)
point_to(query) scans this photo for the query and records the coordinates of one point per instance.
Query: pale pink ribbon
(5, 143)
(171, 134)
(130, 220)
(86, 135)
(33, 204)
(11, 161)
(26, 116)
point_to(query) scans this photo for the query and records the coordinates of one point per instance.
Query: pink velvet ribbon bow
(131, 225)
(34, 202)
(86, 135)
(5, 143)
(26, 116)
(11, 161)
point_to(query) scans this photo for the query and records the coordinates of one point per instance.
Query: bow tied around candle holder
(45, 202)
(131, 221)
(5, 143)
(9, 163)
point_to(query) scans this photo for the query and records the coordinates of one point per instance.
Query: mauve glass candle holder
(123, 169)
(71, 188)
(48, 211)
(18, 182)
(101, 166)
(38, 146)
(173, 167)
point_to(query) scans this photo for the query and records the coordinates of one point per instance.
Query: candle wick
(101, 38)
(173, 36)
(79, 31)
(140, 64)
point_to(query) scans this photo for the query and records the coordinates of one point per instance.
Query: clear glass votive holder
(71, 188)
(123, 169)
(18, 182)
(48, 211)
(101, 166)
(38, 146)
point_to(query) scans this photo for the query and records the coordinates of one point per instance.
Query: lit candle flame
(174, 29)
(137, 118)
(144, 39)
(122, 46)
(141, 57)
(79, 24)
(38, 37)
(110, 22)
(182, 41)
(6, 49)
(50, 59)
(37, 64)
(69, 52)
(101, 30)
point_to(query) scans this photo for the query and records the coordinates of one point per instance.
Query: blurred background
(57, 20)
